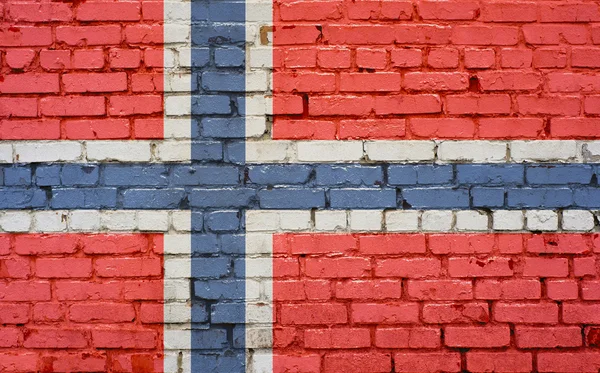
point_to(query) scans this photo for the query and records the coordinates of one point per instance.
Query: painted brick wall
(299, 186)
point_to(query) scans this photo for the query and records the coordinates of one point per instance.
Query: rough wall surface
(299, 186)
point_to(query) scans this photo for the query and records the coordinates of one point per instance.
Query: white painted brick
(257, 105)
(176, 289)
(48, 151)
(436, 220)
(262, 221)
(507, 220)
(541, 220)
(171, 362)
(259, 313)
(400, 151)
(259, 243)
(181, 221)
(177, 11)
(366, 220)
(15, 221)
(84, 220)
(402, 220)
(543, 150)
(259, 267)
(177, 128)
(257, 81)
(154, 221)
(177, 268)
(177, 339)
(169, 58)
(260, 57)
(577, 220)
(256, 126)
(329, 151)
(266, 151)
(472, 151)
(178, 244)
(294, 220)
(119, 220)
(177, 313)
(6, 153)
(257, 337)
(331, 220)
(50, 221)
(172, 151)
(124, 151)
(174, 33)
(178, 105)
(260, 363)
(177, 82)
(185, 57)
(259, 11)
(589, 150)
(252, 290)
(472, 221)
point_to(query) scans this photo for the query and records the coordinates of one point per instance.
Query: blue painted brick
(223, 81)
(17, 176)
(207, 151)
(227, 313)
(47, 175)
(20, 198)
(235, 152)
(213, 339)
(347, 175)
(228, 362)
(197, 221)
(224, 127)
(239, 337)
(539, 197)
(131, 175)
(235, 197)
(490, 174)
(559, 174)
(231, 33)
(205, 175)
(279, 174)
(587, 197)
(227, 11)
(200, 56)
(204, 243)
(420, 174)
(84, 198)
(436, 197)
(233, 243)
(199, 313)
(210, 267)
(211, 104)
(362, 198)
(402, 175)
(199, 11)
(229, 57)
(487, 197)
(75, 174)
(153, 198)
(220, 289)
(222, 221)
(284, 198)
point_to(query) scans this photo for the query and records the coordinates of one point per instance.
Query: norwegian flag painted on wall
(299, 186)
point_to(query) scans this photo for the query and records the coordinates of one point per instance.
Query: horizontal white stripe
(411, 151)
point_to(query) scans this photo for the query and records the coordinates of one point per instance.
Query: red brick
(546, 267)
(480, 58)
(19, 58)
(448, 10)
(152, 10)
(38, 12)
(370, 82)
(485, 35)
(313, 314)
(575, 128)
(149, 129)
(506, 362)
(337, 267)
(584, 267)
(408, 267)
(63, 267)
(357, 362)
(480, 104)
(154, 57)
(407, 337)
(509, 11)
(9, 337)
(300, 34)
(337, 338)
(151, 313)
(440, 289)
(73, 106)
(303, 363)
(572, 362)
(114, 243)
(334, 58)
(511, 128)
(25, 291)
(477, 336)
(407, 104)
(569, 12)
(14, 313)
(14, 268)
(392, 244)
(29, 129)
(304, 289)
(474, 267)
(562, 289)
(303, 82)
(128, 267)
(592, 336)
(89, 35)
(88, 59)
(18, 361)
(29, 83)
(508, 289)
(143, 290)
(431, 362)
(548, 337)
(87, 129)
(575, 313)
(389, 313)
(570, 82)
(300, 58)
(336, 35)
(510, 243)
(285, 267)
(443, 58)
(550, 58)
(104, 82)
(287, 104)
(541, 313)
(75, 290)
(555, 34)
(18, 107)
(55, 59)
(310, 10)
(84, 362)
(48, 312)
(5, 245)
(123, 338)
(407, 57)
(321, 243)
(101, 312)
(372, 129)
(368, 58)
(445, 128)
(516, 58)
(54, 338)
(590, 290)
(24, 36)
(368, 9)
(447, 81)
(509, 80)
(109, 11)
(444, 313)
(44, 244)
(591, 105)
(303, 129)
(147, 82)
(368, 289)
(423, 34)
(556, 105)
